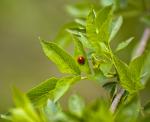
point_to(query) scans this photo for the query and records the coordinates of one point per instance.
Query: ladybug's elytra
(81, 60)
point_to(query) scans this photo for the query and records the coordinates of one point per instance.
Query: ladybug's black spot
(81, 60)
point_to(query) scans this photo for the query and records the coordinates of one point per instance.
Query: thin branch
(139, 51)
(116, 100)
(141, 47)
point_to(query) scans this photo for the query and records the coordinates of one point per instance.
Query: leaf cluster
(92, 33)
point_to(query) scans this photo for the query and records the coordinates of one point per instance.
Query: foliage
(92, 32)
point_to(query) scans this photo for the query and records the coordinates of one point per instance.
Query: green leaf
(86, 43)
(40, 93)
(6, 116)
(106, 67)
(116, 4)
(76, 31)
(129, 80)
(122, 70)
(98, 26)
(22, 101)
(51, 108)
(106, 2)
(19, 115)
(51, 89)
(115, 27)
(98, 112)
(136, 66)
(79, 51)
(24, 111)
(63, 38)
(81, 21)
(128, 112)
(102, 16)
(62, 86)
(91, 28)
(98, 75)
(61, 58)
(104, 31)
(124, 44)
(102, 61)
(53, 112)
(104, 22)
(76, 105)
(78, 10)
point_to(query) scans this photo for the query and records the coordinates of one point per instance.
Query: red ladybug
(81, 60)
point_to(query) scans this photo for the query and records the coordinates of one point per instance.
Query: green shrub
(94, 28)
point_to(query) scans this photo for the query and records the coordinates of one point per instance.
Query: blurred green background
(22, 62)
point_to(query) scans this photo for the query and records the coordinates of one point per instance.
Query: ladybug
(81, 60)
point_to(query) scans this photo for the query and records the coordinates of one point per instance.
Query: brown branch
(140, 49)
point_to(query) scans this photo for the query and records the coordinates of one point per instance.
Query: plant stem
(117, 100)
(140, 49)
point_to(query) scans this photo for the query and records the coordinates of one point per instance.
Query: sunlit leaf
(24, 111)
(53, 112)
(76, 105)
(79, 51)
(62, 86)
(102, 16)
(91, 28)
(136, 66)
(76, 31)
(78, 10)
(98, 26)
(106, 2)
(40, 93)
(104, 31)
(50, 89)
(129, 80)
(86, 43)
(61, 58)
(116, 25)
(124, 44)
(81, 21)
